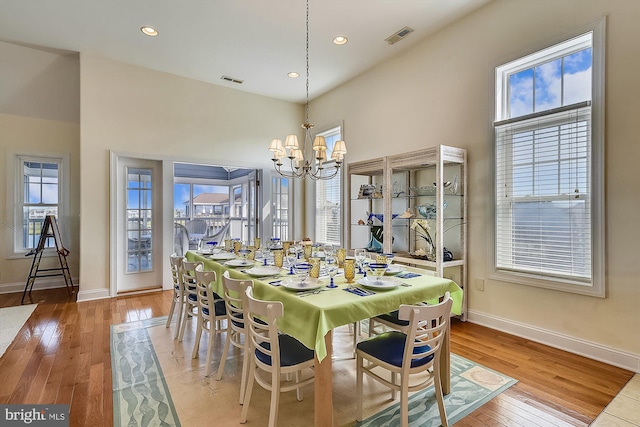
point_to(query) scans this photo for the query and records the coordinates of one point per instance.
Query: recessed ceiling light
(150, 31)
(340, 40)
(293, 74)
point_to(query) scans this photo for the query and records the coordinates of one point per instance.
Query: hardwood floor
(61, 355)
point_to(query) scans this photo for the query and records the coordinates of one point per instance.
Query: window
(328, 197)
(280, 203)
(39, 185)
(548, 153)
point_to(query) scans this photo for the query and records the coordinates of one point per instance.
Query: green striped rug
(140, 394)
(472, 385)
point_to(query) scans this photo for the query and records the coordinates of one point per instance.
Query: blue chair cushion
(193, 297)
(219, 308)
(389, 347)
(292, 351)
(393, 318)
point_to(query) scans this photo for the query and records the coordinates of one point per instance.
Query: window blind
(328, 207)
(543, 203)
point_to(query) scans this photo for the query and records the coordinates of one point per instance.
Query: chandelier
(299, 165)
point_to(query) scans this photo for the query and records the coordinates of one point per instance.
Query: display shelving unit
(381, 190)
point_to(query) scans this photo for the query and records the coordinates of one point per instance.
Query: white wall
(39, 113)
(152, 114)
(441, 92)
(40, 84)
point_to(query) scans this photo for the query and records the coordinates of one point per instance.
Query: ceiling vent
(399, 35)
(232, 80)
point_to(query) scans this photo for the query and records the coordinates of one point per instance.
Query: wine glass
(302, 270)
(298, 248)
(331, 264)
(360, 256)
(377, 269)
(329, 250)
(244, 253)
(210, 248)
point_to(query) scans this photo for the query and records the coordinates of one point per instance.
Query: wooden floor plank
(62, 355)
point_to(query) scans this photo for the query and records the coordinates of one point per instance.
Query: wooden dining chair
(211, 313)
(190, 292)
(177, 300)
(274, 354)
(417, 351)
(235, 298)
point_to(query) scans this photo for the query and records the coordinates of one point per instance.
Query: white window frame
(15, 192)
(596, 285)
(281, 196)
(329, 166)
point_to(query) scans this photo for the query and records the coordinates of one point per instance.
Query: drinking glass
(378, 270)
(278, 257)
(297, 248)
(244, 253)
(361, 256)
(341, 254)
(302, 270)
(332, 268)
(329, 250)
(307, 251)
(256, 242)
(286, 245)
(314, 273)
(349, 269)
(211, 246)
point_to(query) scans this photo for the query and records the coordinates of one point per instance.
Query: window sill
(587, 289)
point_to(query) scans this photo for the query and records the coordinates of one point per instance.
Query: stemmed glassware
(244, 253)
(298, 247)
(377, 269)
(331, 264)
(360, 256)
(302, 270)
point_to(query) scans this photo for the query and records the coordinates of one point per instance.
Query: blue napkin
(357, 291)
(408, 275)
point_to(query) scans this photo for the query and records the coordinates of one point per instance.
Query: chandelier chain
(306, 114)
(301, 166)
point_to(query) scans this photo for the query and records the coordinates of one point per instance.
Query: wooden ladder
(49, 229)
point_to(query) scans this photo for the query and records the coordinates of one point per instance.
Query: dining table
(311, 317)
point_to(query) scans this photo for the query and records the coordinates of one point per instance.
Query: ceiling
(257, 41)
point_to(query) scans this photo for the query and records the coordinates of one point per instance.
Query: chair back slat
(175, 261)
(203, 291)
(427, 328)
(267, 332)
(234, 291)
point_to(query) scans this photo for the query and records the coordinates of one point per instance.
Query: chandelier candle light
(301, 167)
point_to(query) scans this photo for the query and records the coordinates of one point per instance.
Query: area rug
(156, 382)
(11, 321)
(472, 386)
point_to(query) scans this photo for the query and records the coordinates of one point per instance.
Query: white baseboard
(93, 294)
(574, 345)
(40, 283)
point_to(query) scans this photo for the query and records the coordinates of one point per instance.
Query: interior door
(138, 240)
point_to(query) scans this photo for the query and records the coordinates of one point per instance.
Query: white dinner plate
(392, 270)
(294, 284)
(382, 283)
(239, 263)
(262, 270)
(222, 256)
